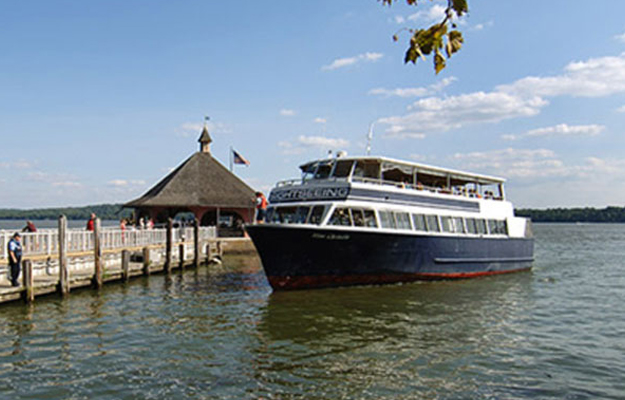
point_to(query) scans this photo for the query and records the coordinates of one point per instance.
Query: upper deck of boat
(402, 174)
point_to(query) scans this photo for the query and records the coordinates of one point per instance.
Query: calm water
(555, 333)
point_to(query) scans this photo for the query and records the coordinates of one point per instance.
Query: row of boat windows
(363, 217)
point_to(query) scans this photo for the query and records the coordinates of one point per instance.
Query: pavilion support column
(217, 213)
(169, 245)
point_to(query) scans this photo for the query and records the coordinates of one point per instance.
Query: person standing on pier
(30, 227)
(261, 207)
(15, 257)
(91, 222)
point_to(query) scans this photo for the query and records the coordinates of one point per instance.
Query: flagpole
(231, 161)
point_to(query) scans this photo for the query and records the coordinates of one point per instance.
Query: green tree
(438, 40)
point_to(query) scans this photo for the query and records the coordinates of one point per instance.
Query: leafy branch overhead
(438, 38)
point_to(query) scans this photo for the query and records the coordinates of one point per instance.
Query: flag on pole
(238, 158)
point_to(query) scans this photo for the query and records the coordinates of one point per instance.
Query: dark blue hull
(296, 257)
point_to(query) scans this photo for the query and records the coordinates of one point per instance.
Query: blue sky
(100, 99)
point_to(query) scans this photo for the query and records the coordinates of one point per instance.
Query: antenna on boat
(369, 138)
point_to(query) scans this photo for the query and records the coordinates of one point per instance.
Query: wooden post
(168, 248)
(125, 265)
(97, 255)
(29, 287)
(208, 253)
(220, 249)
(196, 243)
(63, 287)
(181, 255)
(146, 261)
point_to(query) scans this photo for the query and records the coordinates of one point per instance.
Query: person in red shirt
(261, 207)
(91, 223)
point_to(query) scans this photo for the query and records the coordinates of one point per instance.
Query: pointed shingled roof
(200, 181)
(205, 137)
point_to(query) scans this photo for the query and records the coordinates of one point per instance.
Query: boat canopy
(387, 169)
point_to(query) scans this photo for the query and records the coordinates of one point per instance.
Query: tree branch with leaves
(438, 38)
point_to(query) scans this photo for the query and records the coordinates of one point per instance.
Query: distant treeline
(104, 211)
(608, 214)
(116, 211)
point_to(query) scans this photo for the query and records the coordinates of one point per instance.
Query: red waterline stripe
(300, 282)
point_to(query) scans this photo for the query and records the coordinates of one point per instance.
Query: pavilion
(203, 186)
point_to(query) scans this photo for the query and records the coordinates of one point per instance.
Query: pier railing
(46, 241)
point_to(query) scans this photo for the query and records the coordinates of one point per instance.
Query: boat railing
(288, 182)
(402, 185)
(420, 187)
(46, 241)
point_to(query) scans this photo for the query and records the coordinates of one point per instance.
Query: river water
(557, 332)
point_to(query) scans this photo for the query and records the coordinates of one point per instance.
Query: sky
(99, 100)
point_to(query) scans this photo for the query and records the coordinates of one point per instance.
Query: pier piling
(29, 287)
(97, 255)
(63, 287)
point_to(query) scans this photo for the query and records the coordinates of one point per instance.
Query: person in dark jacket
(15, 257)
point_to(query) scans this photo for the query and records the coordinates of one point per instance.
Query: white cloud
(435, 13)
(567, 130)
(621, 109)
(559, 130)
(320, 120)
(285, 112)
(595, 77)
(399, 19)
(193, 129)
(67, 184)
(414, 92)
(119, 183)
(305, 143)
(345, 62)
(537, 165)
(19, 164)
(442, 114)
(620, 38)
(523, 98)
(321, 141)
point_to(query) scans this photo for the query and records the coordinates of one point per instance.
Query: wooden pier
(59, 261)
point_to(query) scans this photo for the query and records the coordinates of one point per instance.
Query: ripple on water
(550, 334)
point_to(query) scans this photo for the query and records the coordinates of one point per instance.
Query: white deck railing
(46, 241)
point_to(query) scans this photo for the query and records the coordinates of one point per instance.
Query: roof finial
(205, 138)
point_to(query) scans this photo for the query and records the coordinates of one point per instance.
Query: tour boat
(375, 220)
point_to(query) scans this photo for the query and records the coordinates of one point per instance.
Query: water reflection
(387, 338)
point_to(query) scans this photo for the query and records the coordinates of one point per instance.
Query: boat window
(316, 215)
(367, 169)
(301, 214)
(497, 227)
(403, 220)
(458, 225)
(502, 227)
(340, 217)
(397, 173)
(358, 217)
(370, 219)
(308, 171)
(284, 215)
(418, 221)
(448, 224)
(343, 168)
(481, 226)
(323, 170)
(386, 219)
(471, 226)
(432, 223)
